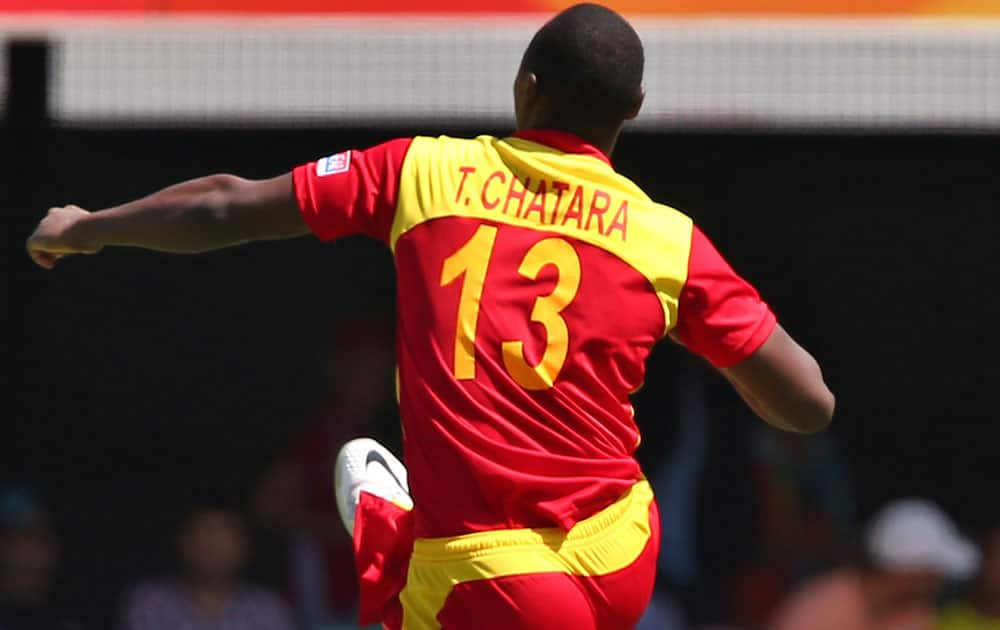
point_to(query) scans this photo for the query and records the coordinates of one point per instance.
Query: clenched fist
(58, 235)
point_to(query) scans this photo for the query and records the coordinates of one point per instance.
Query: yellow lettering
(470, 262)
(547, 309)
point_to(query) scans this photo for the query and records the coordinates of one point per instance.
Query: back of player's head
(588, 61)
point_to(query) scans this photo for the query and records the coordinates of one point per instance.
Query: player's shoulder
(668, 219)
(443, 150)
(675, 214)
(445, 142)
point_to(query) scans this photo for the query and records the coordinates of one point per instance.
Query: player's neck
(603, 139)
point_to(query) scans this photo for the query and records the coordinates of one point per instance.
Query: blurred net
(700, 73)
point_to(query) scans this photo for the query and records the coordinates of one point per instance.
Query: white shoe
(365, 465)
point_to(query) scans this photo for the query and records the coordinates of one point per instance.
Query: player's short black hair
(589, 61)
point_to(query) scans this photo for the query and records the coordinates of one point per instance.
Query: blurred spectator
(209, 591)
(804, 501)
(663, 613)
(912, 548)
(296, 495)
(980, 608)
(29, 561)
(676, 477)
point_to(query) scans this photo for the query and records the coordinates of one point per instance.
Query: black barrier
(27, 82)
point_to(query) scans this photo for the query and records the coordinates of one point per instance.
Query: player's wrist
(85, 233)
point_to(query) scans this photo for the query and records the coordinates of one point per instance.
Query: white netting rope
(714, 73)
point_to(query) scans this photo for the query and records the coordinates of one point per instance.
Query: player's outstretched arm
(784, 385)
(194, 216)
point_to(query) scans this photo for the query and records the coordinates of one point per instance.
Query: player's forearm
(799, 414)
(802, 418)
(784, 385)
(194, 216)
(185, 218)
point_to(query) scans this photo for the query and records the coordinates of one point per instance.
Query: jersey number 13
(470, 262)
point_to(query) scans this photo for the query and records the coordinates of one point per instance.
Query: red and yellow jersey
(533, 282)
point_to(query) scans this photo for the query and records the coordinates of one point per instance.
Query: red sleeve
(721, 316)
(353, 192)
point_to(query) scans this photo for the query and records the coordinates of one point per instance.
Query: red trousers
(597, 576)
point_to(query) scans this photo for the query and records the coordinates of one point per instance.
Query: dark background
(137, 382)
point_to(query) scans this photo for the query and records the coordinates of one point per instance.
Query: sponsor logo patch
(337, 163)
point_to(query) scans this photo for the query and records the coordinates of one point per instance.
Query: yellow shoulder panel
(518, 182)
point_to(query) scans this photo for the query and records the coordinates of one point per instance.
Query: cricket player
(533, 282)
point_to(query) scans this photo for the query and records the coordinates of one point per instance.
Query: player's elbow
(215, 219)
(218, 196)
(811, 413)
(785, 385)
